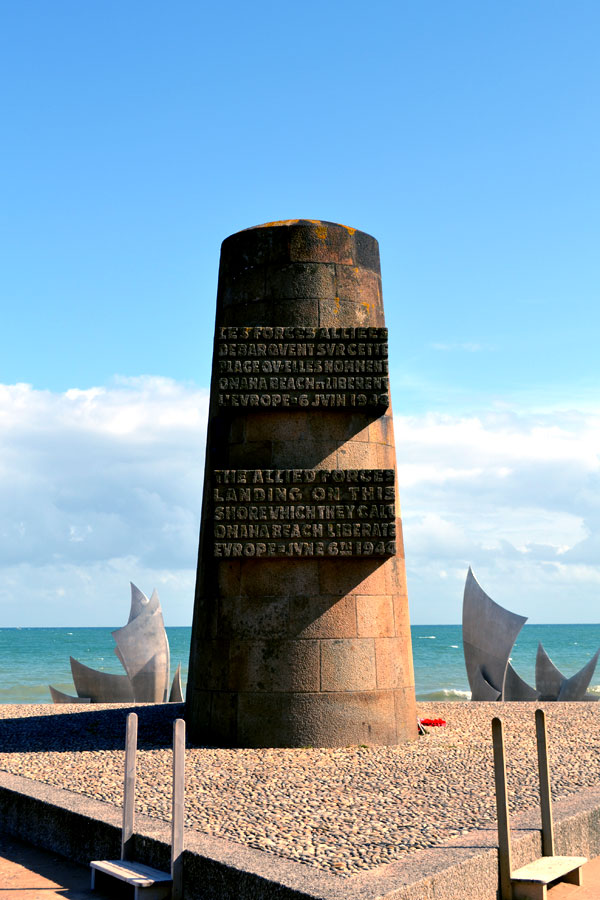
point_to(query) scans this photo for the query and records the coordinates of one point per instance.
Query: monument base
(335, 719)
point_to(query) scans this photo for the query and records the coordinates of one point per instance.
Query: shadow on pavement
(90, 729)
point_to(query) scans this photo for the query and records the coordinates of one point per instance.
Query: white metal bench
(148, 883)
(530, 882)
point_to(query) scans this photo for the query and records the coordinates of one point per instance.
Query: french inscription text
(298, 367)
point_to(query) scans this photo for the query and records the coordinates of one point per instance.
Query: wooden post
(177, 817)
(504, 857)
(544, 774)
(129, 787)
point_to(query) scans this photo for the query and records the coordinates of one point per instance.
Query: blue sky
(136, 136)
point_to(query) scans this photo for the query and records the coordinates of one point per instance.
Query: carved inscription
(300, 367)
(304, 512)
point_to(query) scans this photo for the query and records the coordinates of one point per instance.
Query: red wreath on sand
(433, 722)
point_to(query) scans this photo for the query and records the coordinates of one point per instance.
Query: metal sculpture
(489, 634)
(553, 685)
(143, 649)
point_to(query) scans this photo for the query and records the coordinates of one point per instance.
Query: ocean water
(33, 658)
(440, 672)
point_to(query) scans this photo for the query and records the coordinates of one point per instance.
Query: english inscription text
(303, 512)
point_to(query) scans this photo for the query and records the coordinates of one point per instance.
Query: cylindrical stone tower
(301, 630)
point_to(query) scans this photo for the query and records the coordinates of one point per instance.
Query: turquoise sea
(32, 658)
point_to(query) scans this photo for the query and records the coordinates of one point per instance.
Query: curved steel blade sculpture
(100, 687)
(143, 650)
(61, 697)
(548, 679)
(517, 689)
(489, 634)
(176, 695)
(553, 685)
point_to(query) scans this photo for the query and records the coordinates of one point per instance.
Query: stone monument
(301, 630)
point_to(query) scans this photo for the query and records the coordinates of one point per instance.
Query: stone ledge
(215, 869)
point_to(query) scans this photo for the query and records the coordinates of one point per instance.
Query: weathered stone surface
(389, 663)
(198, 705)
(281, 577)
(323, 617)
(358, 576)
(276, 665)
(317, 454)
(375, 615)
(321, 720)
(301, 632)
(212, 665)
(381, 431)
(402, 699)
(300, 281)
(348, 665)
(253, 618)
(223, 716)
(357, 455)
(401, 613)
(319, 245)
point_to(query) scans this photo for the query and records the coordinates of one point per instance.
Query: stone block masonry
(301, 632)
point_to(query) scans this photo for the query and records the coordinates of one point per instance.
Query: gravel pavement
(340, 810)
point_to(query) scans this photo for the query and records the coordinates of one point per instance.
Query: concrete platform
(464, 868)
(28, 873)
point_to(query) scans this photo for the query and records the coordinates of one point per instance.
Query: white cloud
(98, 487)
(515, 495)
(103, 486)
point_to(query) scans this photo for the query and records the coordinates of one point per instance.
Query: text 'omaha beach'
(300, 366)
(304, 512)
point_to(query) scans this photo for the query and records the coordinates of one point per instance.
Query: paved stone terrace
(341, 810)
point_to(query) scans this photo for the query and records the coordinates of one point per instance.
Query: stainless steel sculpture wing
(489, 633)
(575, 688)
(60, 697)
(548, 679)
(100, 687)
(517, 689)
(481, 689)
(143, 649)
(176, 695)
(553, 685)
